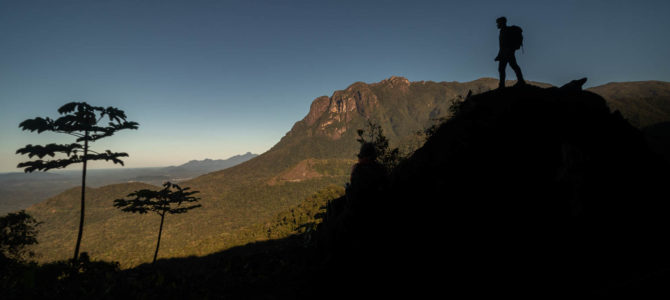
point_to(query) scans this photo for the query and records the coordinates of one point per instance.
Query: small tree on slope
(17, 232)
(387, 157)
(79, 120)
(166, 201)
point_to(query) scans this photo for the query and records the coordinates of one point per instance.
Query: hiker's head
(368, 151)
(502, 22)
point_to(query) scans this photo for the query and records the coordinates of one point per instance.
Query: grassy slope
(643, 103)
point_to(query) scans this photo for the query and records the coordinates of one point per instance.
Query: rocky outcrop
(330, 116)
(318, 107)
(397, 83)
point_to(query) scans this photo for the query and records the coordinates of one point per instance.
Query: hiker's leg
(517, 69)
(502, 64)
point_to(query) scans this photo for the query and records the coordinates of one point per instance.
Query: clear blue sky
(211, 79)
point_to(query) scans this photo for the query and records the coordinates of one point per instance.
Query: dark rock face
(526, 191)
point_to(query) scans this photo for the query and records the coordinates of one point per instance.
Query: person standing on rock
(511, 40)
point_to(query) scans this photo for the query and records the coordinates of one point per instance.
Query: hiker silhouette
(511, 39)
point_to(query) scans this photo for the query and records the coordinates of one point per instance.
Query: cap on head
(501, 20)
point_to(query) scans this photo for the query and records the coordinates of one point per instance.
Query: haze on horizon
(213, 79)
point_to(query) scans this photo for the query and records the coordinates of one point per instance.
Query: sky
(212, 79)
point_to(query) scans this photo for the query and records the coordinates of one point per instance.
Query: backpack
(515, 37)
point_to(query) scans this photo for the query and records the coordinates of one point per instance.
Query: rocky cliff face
(334, 113)
(332, 116)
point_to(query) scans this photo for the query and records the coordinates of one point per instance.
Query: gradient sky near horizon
(212, 79)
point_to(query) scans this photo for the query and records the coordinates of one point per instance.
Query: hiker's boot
(519, 76)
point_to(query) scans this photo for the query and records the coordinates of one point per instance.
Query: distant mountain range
(20, 190)
(319, 150)
(198, 167)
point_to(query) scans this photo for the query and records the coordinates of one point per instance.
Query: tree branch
(50, 150)
(37, 124)
(45, 165)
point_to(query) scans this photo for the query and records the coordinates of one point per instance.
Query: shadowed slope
(536, 191)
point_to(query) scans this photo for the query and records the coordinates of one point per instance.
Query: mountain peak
(396, 81)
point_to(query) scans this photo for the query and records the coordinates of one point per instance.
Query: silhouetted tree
(374, 134)
(79, 120)
(17, 230)
(165, 201)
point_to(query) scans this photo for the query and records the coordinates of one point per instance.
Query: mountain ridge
(643, 103)
(241, 196)
(209, 161)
